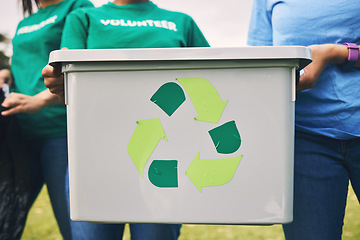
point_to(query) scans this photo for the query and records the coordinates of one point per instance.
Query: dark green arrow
(169, 97)
(163, 173)
(226, 138)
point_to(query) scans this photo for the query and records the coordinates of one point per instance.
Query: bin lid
(303, 54)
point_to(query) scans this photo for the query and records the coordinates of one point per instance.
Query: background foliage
(41, 225)
(4, 59)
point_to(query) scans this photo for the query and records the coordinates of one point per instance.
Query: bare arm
(322, 56)
(21, 103)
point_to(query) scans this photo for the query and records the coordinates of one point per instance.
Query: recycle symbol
(209, 106)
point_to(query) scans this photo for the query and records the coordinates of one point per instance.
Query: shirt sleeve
(195, 36)
(75, 31)
(260, 28)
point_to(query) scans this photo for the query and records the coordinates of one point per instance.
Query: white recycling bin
(182, 135)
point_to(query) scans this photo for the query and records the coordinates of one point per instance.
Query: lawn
(41, 225)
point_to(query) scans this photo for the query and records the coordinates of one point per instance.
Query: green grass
(41, 225)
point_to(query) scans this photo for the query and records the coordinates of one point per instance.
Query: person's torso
(332, 107)
(36, 36)
(140, 25)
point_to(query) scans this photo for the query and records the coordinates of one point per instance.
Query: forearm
(21, 103)
(322, 55)
(338, 54)
(47, 99)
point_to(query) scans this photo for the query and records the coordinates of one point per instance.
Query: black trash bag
(15, 177)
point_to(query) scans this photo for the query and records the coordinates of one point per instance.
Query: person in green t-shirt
(126, 24)
(140, 24)
(40, 114)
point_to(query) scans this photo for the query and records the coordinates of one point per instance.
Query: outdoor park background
(41, 225)
(224, 24)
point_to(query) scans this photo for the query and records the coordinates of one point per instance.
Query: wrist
(353, 56)
(41, 100)
(338, 54)
(51, 100)
(47, 99)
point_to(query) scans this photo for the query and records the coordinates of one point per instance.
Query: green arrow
(226, 138)
(169, 97)
(205, 98)
(212, 172)
(144, 140)
(163, 173)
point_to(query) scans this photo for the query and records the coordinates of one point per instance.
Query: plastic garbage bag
(14, 179)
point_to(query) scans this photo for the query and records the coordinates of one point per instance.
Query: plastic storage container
(185, 135)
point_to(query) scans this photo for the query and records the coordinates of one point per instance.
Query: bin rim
(303, 54)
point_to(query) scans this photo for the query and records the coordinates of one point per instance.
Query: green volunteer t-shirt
(36, 36)
(136, 25)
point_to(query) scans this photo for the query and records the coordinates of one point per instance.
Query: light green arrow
(212, 172)
(144, 140)
(205, 98)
